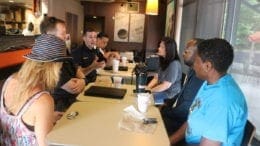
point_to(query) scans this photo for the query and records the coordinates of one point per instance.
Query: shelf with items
(13, 17)
(11, 22)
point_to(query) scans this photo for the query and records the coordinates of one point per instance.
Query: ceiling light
(151, 7)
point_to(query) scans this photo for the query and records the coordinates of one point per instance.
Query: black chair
(249, 133)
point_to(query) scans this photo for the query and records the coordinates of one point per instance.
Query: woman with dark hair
(167, 83)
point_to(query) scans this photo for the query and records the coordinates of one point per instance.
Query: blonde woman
(27, 108)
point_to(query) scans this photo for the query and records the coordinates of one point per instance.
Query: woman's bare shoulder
(45, 101)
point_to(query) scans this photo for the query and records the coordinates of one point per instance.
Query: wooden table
(125, 74)
(97, 125)
(130, 96)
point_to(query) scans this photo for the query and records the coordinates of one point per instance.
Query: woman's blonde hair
(43, 75)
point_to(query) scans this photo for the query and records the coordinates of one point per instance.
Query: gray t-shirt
(171, 74)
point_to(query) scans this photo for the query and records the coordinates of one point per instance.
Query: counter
(12, 58)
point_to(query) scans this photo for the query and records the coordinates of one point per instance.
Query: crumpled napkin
(134, 113)
(132, 120)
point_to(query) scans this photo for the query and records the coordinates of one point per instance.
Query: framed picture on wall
(170, 19)
(136, 32)
(121, 28)
(133, 7)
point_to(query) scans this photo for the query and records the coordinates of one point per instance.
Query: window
(243, 19)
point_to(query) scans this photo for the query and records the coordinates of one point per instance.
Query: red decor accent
(12, 58)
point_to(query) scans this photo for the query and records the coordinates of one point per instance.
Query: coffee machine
(140, 71)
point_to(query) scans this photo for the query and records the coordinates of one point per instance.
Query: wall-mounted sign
(136, 33)
(133, 7)
(121, 30)
(129, 27)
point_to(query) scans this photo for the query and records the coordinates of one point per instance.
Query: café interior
(134, 27)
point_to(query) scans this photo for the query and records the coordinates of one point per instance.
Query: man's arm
(153, 82)
(206, 142)
(79, 73)
(74, 85)
(94, 65)
(161, 87)
(112, 54)
(179, 134)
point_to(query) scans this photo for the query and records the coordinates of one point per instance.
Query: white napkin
(134, 113)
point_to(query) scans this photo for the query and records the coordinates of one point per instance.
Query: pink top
(13, 131)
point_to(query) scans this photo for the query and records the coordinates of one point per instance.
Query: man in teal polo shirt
(218, 113)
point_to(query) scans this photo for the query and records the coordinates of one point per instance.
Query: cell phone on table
(150, 121)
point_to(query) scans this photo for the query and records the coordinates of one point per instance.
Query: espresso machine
(140, 71)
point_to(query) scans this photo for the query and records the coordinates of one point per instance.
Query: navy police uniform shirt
(84, 56)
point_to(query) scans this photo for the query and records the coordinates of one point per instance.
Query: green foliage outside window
(248, 23)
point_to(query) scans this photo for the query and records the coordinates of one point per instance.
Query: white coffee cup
(124, 61)
(143, 101)
(115, 65)
(117, 81)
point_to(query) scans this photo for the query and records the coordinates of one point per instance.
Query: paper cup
(143, 101)
(115, 65)
(117, 82)
(124, 61)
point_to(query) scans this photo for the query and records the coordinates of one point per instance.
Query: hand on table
(74, 85)
(57, 116)
(95, 64)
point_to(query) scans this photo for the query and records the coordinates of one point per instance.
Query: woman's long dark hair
(171, 52)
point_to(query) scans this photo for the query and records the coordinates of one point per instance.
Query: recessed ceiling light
(11, 1)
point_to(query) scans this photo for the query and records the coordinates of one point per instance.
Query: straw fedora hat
(48, 48)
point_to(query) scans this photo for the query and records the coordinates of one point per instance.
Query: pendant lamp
(151, 7)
